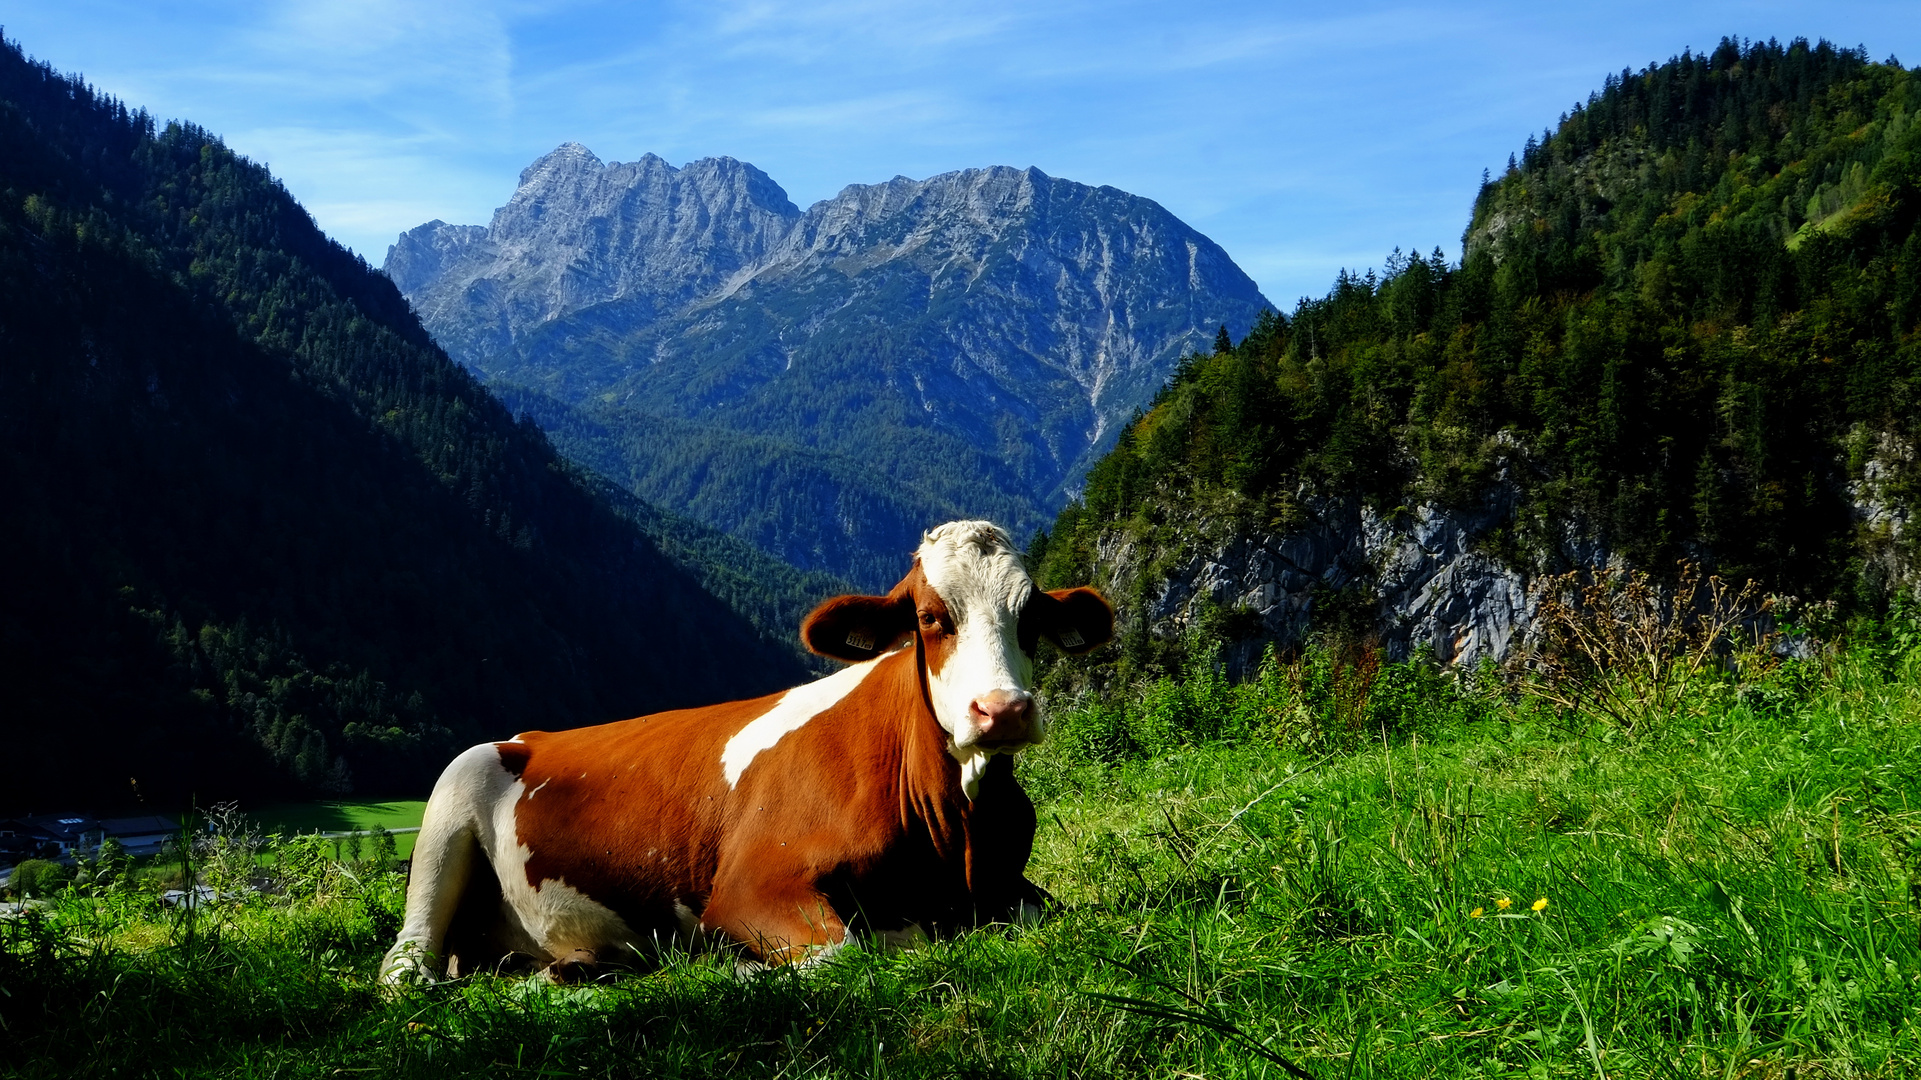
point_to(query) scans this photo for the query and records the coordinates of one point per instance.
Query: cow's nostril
(1002, 718)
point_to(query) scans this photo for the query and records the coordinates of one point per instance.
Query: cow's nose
(1003, 717)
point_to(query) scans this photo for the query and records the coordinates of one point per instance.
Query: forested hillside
(1687, 323)
(262, 535)
(815, 506)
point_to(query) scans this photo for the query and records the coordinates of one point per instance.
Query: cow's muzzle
(1003, 718)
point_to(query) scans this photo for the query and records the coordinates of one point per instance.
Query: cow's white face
(978, 675)
(979, 619)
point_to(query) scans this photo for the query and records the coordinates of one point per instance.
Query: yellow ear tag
(861, 640)
(1071, 638)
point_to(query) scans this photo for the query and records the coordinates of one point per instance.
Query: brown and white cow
(879, 798)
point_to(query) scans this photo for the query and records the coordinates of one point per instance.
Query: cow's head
(979, 618)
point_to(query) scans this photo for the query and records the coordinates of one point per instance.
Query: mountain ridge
(999, 318)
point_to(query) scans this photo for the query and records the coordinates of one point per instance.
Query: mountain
(263, 536)
(1687, 325)
(826, 383)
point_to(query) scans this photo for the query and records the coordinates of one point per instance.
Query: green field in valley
(1335, 868)
(342, 815)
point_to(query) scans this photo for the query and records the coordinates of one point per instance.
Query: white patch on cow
(688, 922)
(803, 957)
(977, 572)
(973, 763)
(798, 959)
(443, 860)
(558, 917)
(470, 816)
(795, 708)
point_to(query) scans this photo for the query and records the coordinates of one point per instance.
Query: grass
(1729, 892)
(344, 815)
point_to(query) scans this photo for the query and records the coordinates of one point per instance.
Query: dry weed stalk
(1623, 647)
(1357, 664)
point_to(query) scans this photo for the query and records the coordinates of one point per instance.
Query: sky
(1302, 138)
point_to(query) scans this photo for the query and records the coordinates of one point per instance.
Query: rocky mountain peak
(579, 231)
(422, 254)
(568, 157)
(1018, 317)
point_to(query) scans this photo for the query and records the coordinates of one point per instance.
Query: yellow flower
(1541, 904)
(1476, 913)
(1503, 903)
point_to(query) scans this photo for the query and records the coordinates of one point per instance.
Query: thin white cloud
(1295, 135)
(364, 188)
(372, 50)
(810, 32)
(890, 109)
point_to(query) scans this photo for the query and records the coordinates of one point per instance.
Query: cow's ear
(856, 628)
(1078, 620)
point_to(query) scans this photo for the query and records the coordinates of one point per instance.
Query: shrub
(1324, 700)
(1164, 718)
(1090, 732)
(384, 849)
(40, 877)
(1625, 649)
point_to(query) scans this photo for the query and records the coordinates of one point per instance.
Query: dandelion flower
(1476, 913)
(1503, 903)
(1541, 904)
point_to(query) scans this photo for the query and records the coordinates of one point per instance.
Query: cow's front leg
(578, 966)
(1000, 839)
(776, 912)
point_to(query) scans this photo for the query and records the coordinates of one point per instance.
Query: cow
(879, 799)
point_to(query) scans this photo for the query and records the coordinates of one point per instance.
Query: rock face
(1428, 574)
(976, 339)
(1883, 522)
(577, 233)
(1424, 570)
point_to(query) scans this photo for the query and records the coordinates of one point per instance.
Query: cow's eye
(929, 619)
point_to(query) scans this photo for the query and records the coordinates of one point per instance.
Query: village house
(70, 836)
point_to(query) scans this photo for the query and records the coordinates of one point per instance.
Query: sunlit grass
(343, 815)
(1501, 896)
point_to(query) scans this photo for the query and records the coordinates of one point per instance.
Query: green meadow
(343, 815)
(1330, 870)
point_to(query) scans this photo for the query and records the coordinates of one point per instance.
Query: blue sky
(1302, 138)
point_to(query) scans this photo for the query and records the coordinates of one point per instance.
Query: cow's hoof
(579, 966)
(407, 964)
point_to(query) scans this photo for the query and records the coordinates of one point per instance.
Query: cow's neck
(930, 779)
